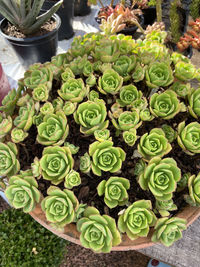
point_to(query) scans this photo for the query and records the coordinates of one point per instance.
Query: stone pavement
(185, 252)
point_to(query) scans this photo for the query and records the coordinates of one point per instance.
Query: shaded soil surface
(81, 257)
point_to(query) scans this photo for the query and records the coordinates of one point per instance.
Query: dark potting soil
(13, 31)
(86, 192)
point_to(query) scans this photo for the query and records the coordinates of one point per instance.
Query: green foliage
(137, 219)
(128, 94)
(47, 108)
(130, 137)
(189, 137)
(72, 179)
(165, 105)
(102, 135)
(127, 120)
(145, 115)
(10, 100)
(41, 93)
(194, 9)
(106, 157)
(184, 71)
(25, 14)
(25, 243)
(91, 115)
(23, 192)
(170, 134)
(159, 74)
(56, 163)
(110, 82)
(124, 65)
(181, 89)
(194, 189)
(53, 130)
(98, 233)
(59, 206)
(194, 102)
(163, 207)
(9, 164)
(174, 21)
(167, 231)
(18, 135)
(160, 176)
(5, 125)
(69, 108)
(114, 191)
(154, 144)
(85, 163)
(183, 183)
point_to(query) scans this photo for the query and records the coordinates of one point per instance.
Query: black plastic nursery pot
(33, 49)
(81, 8)
(66, 14)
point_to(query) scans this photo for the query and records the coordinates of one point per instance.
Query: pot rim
(71, 234)
(30, 39)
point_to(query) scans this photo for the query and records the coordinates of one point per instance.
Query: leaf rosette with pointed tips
(56, 163)
(23, 192)
(59, 206)
(5, 125)
(91, 116)
(168, 231)
(194, 103)
(154, 144)
(194, 189)
(53, 130)
(184, 71)
(160, 176)
(114, 191)
(98, 232)
(128, 94)
(137, 219)
(25, 118)
(106, 157)
(110, 82)
(9, 164)
(127, 120)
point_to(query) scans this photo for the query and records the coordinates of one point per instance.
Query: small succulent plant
(25, 15)
(113, 124)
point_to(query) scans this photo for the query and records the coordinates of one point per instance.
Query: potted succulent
(33, 34)
(103, 143)
(66, 14)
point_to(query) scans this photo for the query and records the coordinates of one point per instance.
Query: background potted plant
(33, 34)
(103, 143)
(66, 14)
(82, 7)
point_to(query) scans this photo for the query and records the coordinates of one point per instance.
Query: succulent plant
(165, 105)
(137, 219)
(106, 157)
(72, 179)
(53, 130)
(111, 107)
(23, 192)
(98, 232)
(160, 176)
(154, 144)
(167, 231)
(91, 115)
(25, 15)
(114, 191)
(59, 206)
(189, 137)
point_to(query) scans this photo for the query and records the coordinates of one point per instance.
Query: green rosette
(72, 179)
(194, 189)
(137, 219)
(9, 165)
(165, 105)
(47, 108)
(181, 89)
(73, 90)
(184, 71)
(25, 118)
(127, 120)
(98, 232)
(110, 82)
(154, 144)
(128, 94)
(91, 116)
(189, 137)
(59, 206)
(124, 65)
(23, 192)
(85, 163)
(41, 93)
(168, 231)
(18, 135)
(160, 176)
(114, 191)
(5, 125)
(53, 130)
(56, 163)
(130, 137)
(105, 157)
(194, 103)
(159, 74)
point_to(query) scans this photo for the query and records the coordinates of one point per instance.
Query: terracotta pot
(71, 234)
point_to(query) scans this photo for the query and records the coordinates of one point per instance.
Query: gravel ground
(81, 257)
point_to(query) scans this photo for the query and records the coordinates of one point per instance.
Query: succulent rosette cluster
(105, 136)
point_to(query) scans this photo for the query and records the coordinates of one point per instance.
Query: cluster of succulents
(111, 112)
